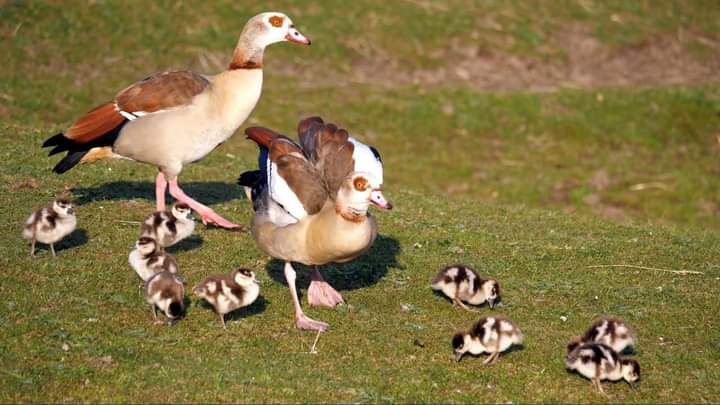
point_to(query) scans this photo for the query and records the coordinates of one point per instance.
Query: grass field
(530, 140)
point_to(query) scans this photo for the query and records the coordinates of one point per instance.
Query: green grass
(530, 188)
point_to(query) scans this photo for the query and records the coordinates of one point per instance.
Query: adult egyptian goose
(174, 118)
(311, 203)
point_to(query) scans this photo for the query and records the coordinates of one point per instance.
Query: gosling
(227, 294)
(461, 283)
(166, 291)
(613, 332)
(50, 224)
(147, 259)
(598, 361)
(491, 334)
(169, 228)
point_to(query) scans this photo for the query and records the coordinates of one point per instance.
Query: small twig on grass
(129, 222)
(681, 272)
(313, 349)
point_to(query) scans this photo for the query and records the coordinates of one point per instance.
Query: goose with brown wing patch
(174, 118)
(312, 202)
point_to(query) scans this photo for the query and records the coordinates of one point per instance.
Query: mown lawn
(529, 186)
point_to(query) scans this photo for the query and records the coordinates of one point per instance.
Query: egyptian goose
(598, 362)
(492, 334)
(227, 294)
(50, 224)
(613, 332)
(461, 283)
(173, 118)
(166, 291)
(311, 203)
(148, 258)
(169, 228)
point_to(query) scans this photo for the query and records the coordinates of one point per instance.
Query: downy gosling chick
(50, 224)
(228, 293)
(613, 332)
(461, 283)
(598, 362)
(147, 259)
(166, 291)
(490, 334)
(169, 228)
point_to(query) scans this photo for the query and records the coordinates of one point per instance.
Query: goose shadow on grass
(361, 272)
(78, 237)
(206, 192)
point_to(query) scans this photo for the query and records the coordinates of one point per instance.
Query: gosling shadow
(192, 242)
(77, 238)
(361, 272)
(207, 192)
(255, 308)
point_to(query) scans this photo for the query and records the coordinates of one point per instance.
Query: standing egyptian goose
(169, 228)
(311, 203)
(50, 224)
(174, 118)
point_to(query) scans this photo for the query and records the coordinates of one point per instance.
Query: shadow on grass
(192, 242)
(207, 192)
(362, 272)
(255, 308)
(78, 237)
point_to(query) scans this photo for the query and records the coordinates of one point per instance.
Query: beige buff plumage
(311, 203)
(174, 118)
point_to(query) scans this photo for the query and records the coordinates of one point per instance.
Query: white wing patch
(135, 114)
(366, 160)
(281, 193)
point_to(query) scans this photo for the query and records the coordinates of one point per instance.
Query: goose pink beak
(378, 199)
(294, 35)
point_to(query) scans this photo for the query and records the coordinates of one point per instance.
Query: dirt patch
(585, 63)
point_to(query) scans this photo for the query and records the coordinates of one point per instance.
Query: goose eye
(360, 183)
(276, 21)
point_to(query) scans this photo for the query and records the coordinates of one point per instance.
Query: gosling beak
(71, 211)
(458, 356)
(378, 199)
(295, 36)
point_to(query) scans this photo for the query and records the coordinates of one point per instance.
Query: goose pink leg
(301, 320)
(320, 293)
(160, 187)
(206, 213)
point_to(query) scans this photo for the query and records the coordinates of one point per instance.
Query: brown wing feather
(329, 150)
(97, 122)
(300, 175)
(261, 135)
(161, 91)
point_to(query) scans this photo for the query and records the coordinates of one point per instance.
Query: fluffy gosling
(613, 332)
(147, 259)
(169, 228)
(598, 361)
(228, 293)
(461, 283)
(491, 334)
(166, 291)
(50, 224)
